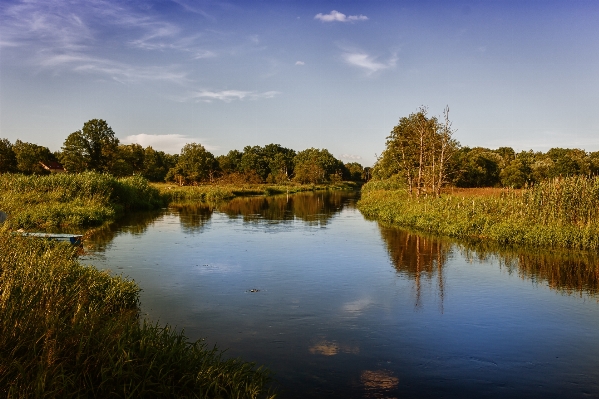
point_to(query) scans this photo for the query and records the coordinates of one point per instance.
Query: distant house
(53, 167)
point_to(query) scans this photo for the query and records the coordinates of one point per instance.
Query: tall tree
(30, 155)
(317, 166)
(418, 150)
(195, 165)
(8, 160)
(94, 147)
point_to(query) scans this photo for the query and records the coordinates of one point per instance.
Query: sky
(326, 74)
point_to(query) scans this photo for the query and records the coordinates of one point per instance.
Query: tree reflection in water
(419, 258)
(193, 216)
(315, 208)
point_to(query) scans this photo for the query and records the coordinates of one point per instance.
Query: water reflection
(331, 348)
(315, 208)
(193, 216)
(417, 257)
(422, 258)
(134, 223)
(378, 383)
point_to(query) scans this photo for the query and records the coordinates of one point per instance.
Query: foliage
(194, 165)
(8, 159)
(314, 166)
(72, 200)
(418, 149)
(557, 213)
(29, 156)
(272, 163)
(72, 331)
(93, 148)
(354, 172)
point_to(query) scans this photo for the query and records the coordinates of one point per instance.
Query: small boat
(74, 239)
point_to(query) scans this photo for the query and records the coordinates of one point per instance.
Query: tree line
(96, 148)
(422, 154)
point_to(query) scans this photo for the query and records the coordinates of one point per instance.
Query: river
(340, 306)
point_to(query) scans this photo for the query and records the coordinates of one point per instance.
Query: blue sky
(335, 75)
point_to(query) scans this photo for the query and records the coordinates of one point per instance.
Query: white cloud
(300, 63)
(169, 143)
(351, 157)
(336, 16)
(367, 62)
(231, 95)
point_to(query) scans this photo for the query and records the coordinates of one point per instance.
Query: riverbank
(559, 213)
(68, 330)
(218, 191)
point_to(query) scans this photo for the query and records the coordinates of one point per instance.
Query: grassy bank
(560, 213)
(72, 200)
(68, 330)
(218, 191)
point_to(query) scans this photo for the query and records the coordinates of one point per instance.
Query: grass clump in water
(558, 213)
(72, 331)
(72, 200)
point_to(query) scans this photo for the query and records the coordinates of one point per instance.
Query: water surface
(339, 306)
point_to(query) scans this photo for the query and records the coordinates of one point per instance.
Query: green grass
(72, 200)
(560, 213)
(219, 191)
(71, 331)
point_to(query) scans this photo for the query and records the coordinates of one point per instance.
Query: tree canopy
(94, 147)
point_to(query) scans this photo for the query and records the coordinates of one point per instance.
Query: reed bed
(558, 213)
(220, 191)
(72, 331)
(72, 200)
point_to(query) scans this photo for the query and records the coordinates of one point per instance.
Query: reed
(72, 331)
(221, 191)
(72, 200)
(558, 213)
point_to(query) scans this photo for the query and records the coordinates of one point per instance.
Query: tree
(477, 167)
(354, 171)
(317, 166)
(94, 147)
(128, 161)
(230, 163)
(8, 160)
(418, 150)
(157, 164)
(29, 156)
(195, 164)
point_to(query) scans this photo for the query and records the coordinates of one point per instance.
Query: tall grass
(71, 331)
(558, 213)
(223, 191)
(72, 200)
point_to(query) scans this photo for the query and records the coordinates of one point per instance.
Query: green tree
(195, 164)
(94, 147)
(280, 162)
(8, 160)
(230, 163)
(29, 156)
(128, 161)
(418, 149)
(354, 171)
(156, 164)
(317, 166)
(476, 167)
(254, 160)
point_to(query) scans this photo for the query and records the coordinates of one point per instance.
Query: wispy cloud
(351, 157)
(230, 95)
(367, 62)
(336, 16)
(300, 63)
(169, 143)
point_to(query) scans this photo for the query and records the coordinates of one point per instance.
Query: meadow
(556, 213)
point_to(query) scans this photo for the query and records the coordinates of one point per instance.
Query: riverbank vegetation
(556, 213)
(71, 331)
(72, 200)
